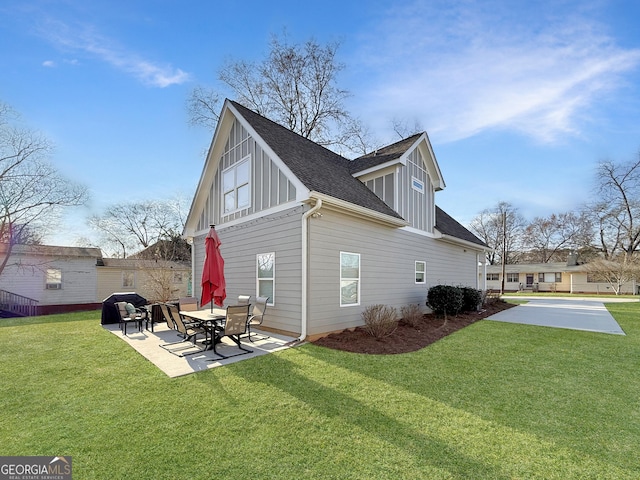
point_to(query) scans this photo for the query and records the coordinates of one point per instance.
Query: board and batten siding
(279, 233)
(417, 208)
(387, 268)
(269, 185)
(394, 187)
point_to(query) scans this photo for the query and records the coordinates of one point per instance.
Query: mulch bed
(407, 338)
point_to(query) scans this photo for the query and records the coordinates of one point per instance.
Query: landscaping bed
(407, 338)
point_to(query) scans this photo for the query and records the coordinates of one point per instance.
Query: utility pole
(504, 249)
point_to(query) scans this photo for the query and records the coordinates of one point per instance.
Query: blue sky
(520, 99)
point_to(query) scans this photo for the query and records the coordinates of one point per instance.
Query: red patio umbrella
(213, 284)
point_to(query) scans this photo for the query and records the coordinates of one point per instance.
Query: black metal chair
(188, 332)
(234, 325)
(257, 316)
(129, 314)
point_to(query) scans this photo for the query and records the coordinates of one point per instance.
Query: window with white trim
(550, 277)
(493, 277)
(421, 272)
(513, 277)
(236, 186)
(266, 276)
(54, 279)
(417, 185)
(128, 279)
(349, 279)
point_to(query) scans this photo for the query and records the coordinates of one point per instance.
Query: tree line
(297, 86)
(607, 228)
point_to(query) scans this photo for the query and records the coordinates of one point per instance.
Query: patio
(147, 344)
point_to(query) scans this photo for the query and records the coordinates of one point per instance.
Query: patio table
(208, 319)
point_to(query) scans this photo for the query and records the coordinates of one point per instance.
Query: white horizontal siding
(25, 275)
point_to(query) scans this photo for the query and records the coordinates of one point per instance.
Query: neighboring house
(322, 236)
(52, 279)
(569, 277)
(160, 280)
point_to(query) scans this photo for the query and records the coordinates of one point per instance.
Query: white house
(51, 279)
(323, 236)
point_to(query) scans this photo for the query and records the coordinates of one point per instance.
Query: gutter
(305, 267)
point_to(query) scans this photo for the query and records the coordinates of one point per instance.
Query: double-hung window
(128, 279)
(236, 186)
(553, 277)
(349, 279)
(266, 276)
(421, 272)
(54, 279)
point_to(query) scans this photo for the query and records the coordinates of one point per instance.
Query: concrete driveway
(575, 314)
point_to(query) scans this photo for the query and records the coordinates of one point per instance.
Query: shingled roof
(318, 168)
(328, 173)
(384, 154)
(447, 225)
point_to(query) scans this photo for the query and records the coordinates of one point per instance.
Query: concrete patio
(147, 344)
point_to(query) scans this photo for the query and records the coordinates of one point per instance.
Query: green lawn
(495, 401)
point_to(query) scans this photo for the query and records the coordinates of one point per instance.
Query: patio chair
(167, 316)
(244, 299)
(235, 324)
(127, 313)
(188, 332)
(257, 316)
(188, 303)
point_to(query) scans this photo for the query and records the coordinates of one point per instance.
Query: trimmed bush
(471, 299)
(380, 320)
(411, 314)
(444, 299)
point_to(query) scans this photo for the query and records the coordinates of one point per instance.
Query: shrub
(380, 320)
(471, 299)
(411, 314)
(443, 299)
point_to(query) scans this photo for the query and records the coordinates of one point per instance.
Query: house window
(513, 277)
(417, 185)
(349, 279)
(421, 272)
(550, 277)
(177, 278)
(128, 279)
(493, 277)
(266, 276)
(54, 279)
(236, 188)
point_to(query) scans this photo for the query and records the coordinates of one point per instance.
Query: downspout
(305, 267)
(193, 266)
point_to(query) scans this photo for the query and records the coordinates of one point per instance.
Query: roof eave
(459, 241)
(343, 206)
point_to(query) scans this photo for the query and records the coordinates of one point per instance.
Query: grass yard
(494, 400)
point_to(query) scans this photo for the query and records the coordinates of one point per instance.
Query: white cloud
(469, 70)
(49, 63)
(86, 39)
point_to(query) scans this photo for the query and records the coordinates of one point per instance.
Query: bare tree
(128, 227)
(403, 129)
(546, 237)
(32, 191)
(616, 213)
(501, 228)
(616, 272)
(295, 86)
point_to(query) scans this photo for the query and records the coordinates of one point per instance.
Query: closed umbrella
(213, 284)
